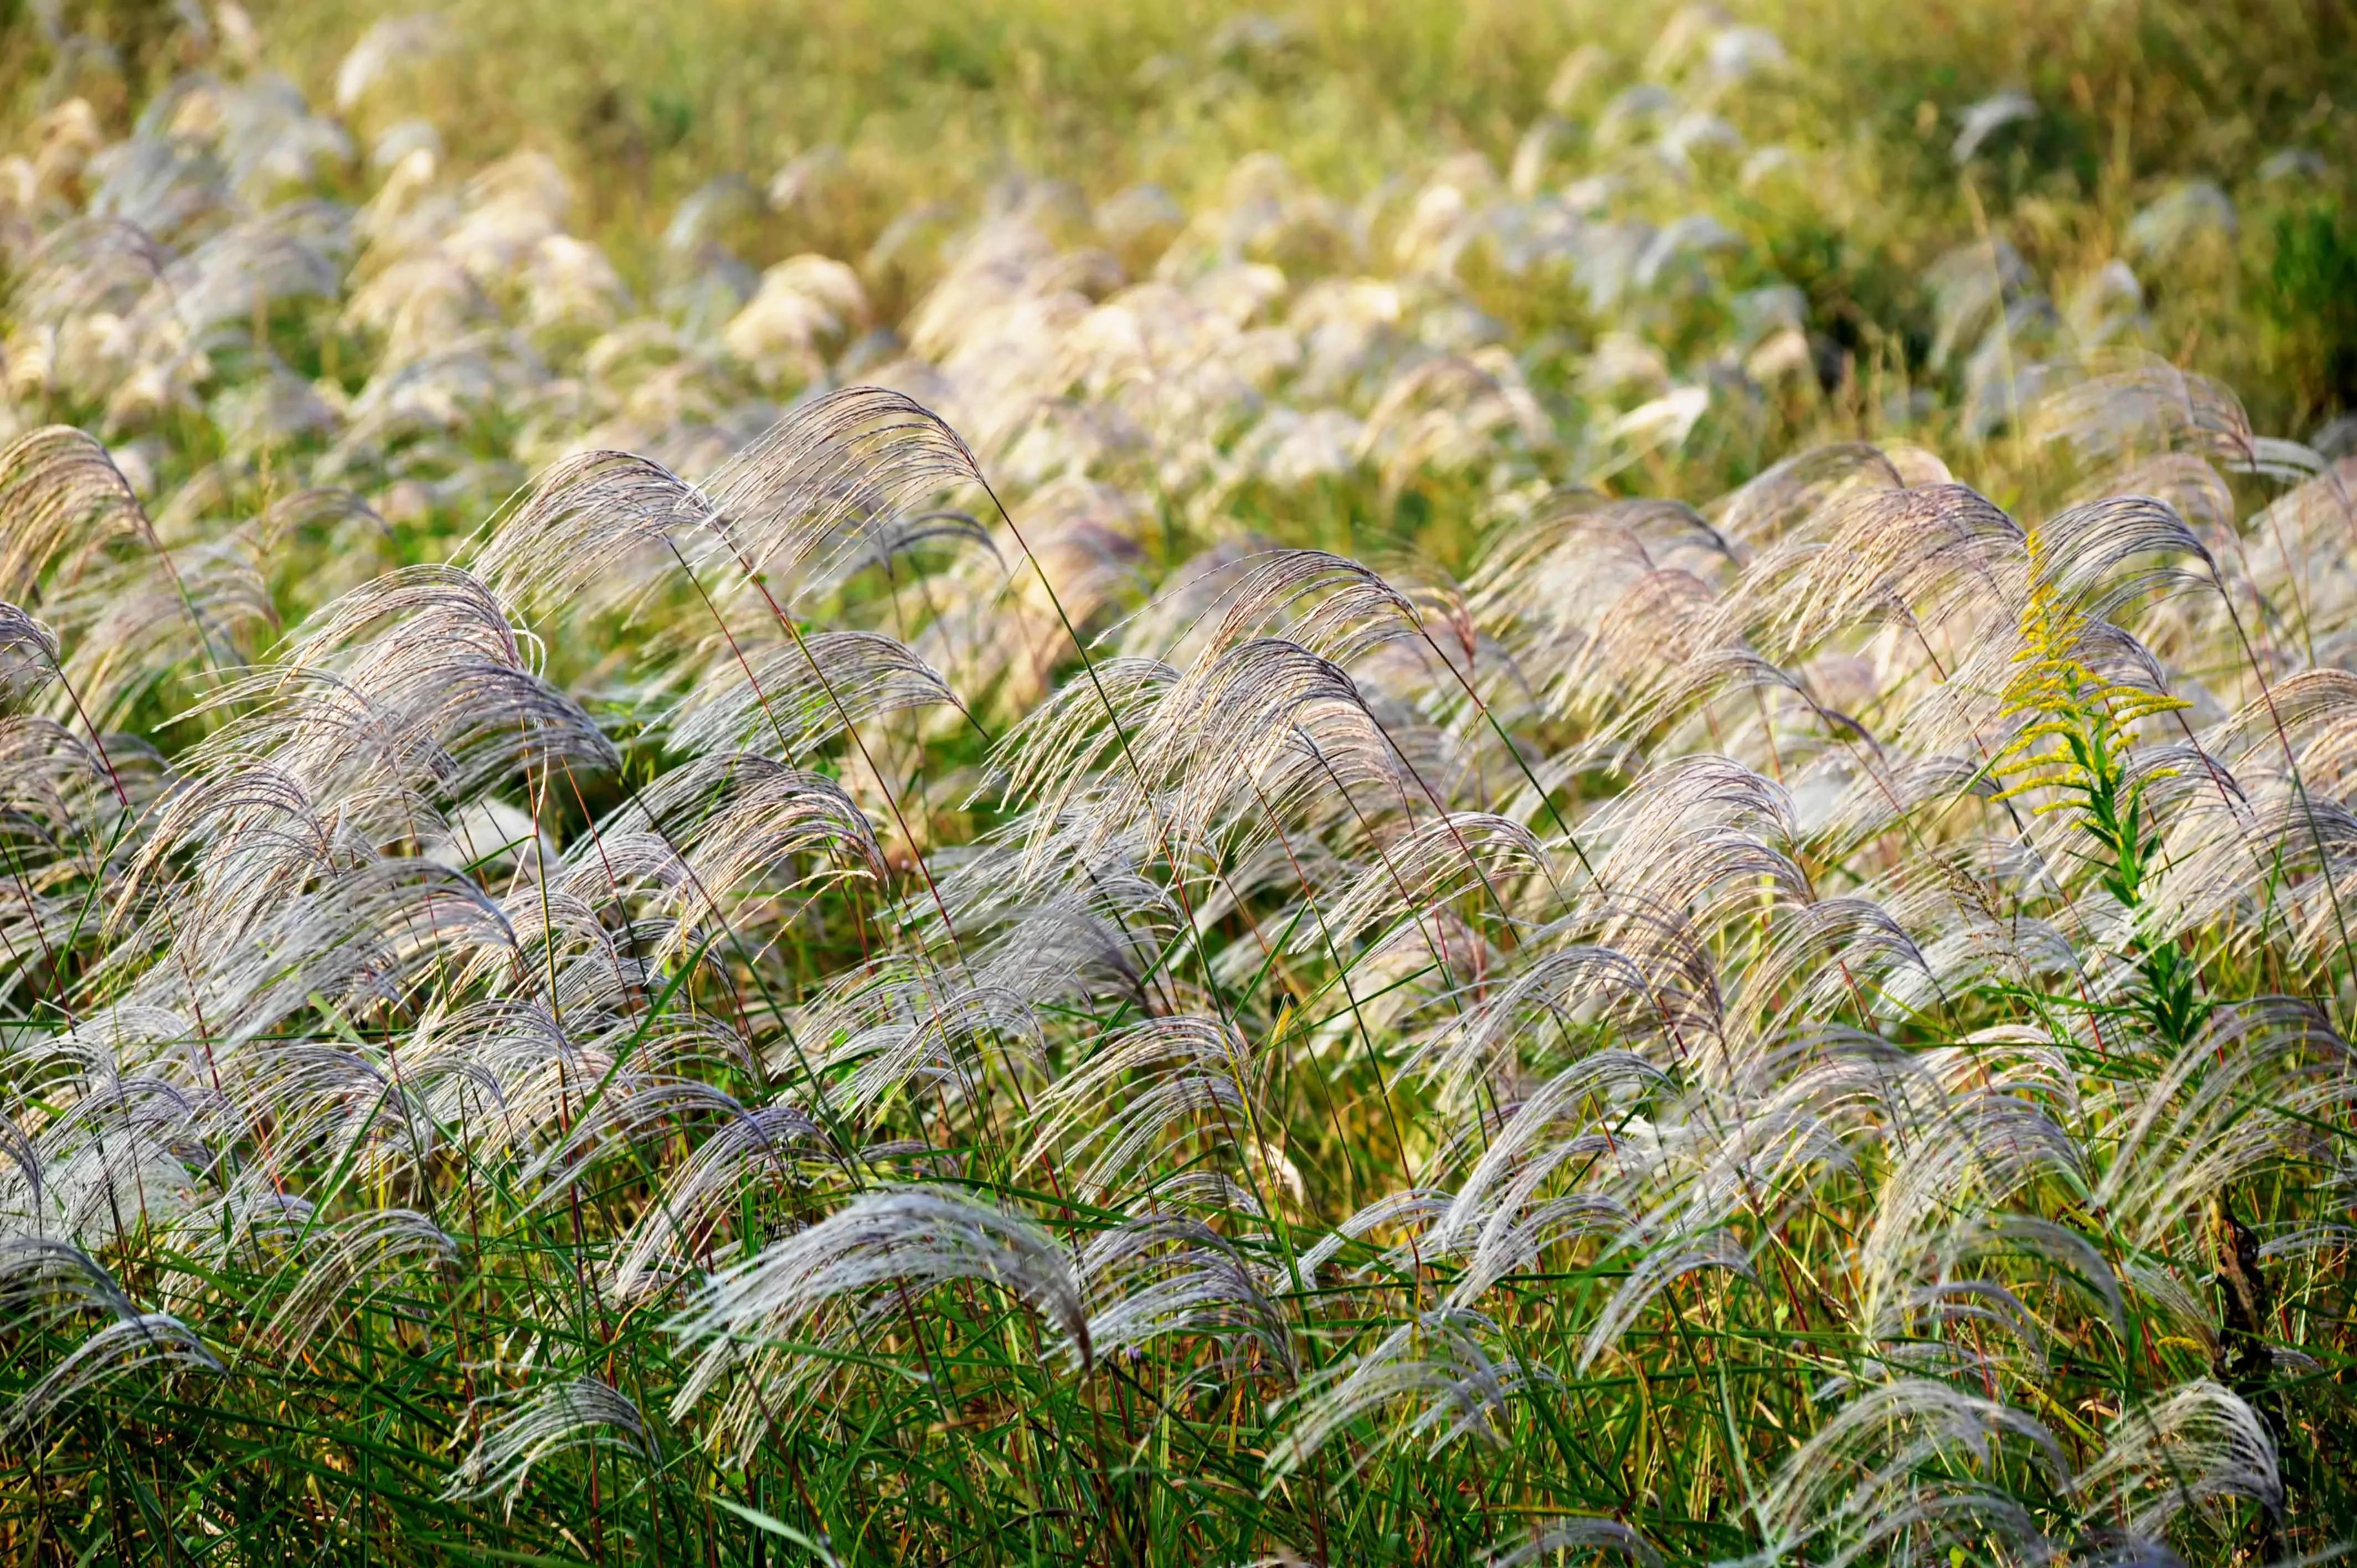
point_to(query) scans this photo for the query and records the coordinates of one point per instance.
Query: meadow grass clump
(872, 865)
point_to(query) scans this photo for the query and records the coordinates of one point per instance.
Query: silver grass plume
(852, 1275)
(558, 1418)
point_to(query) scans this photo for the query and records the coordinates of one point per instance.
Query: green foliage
(2312, 296)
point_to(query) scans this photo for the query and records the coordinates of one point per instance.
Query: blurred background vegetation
(918, 101)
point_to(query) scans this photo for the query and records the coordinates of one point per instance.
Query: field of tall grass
(1022, 783)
